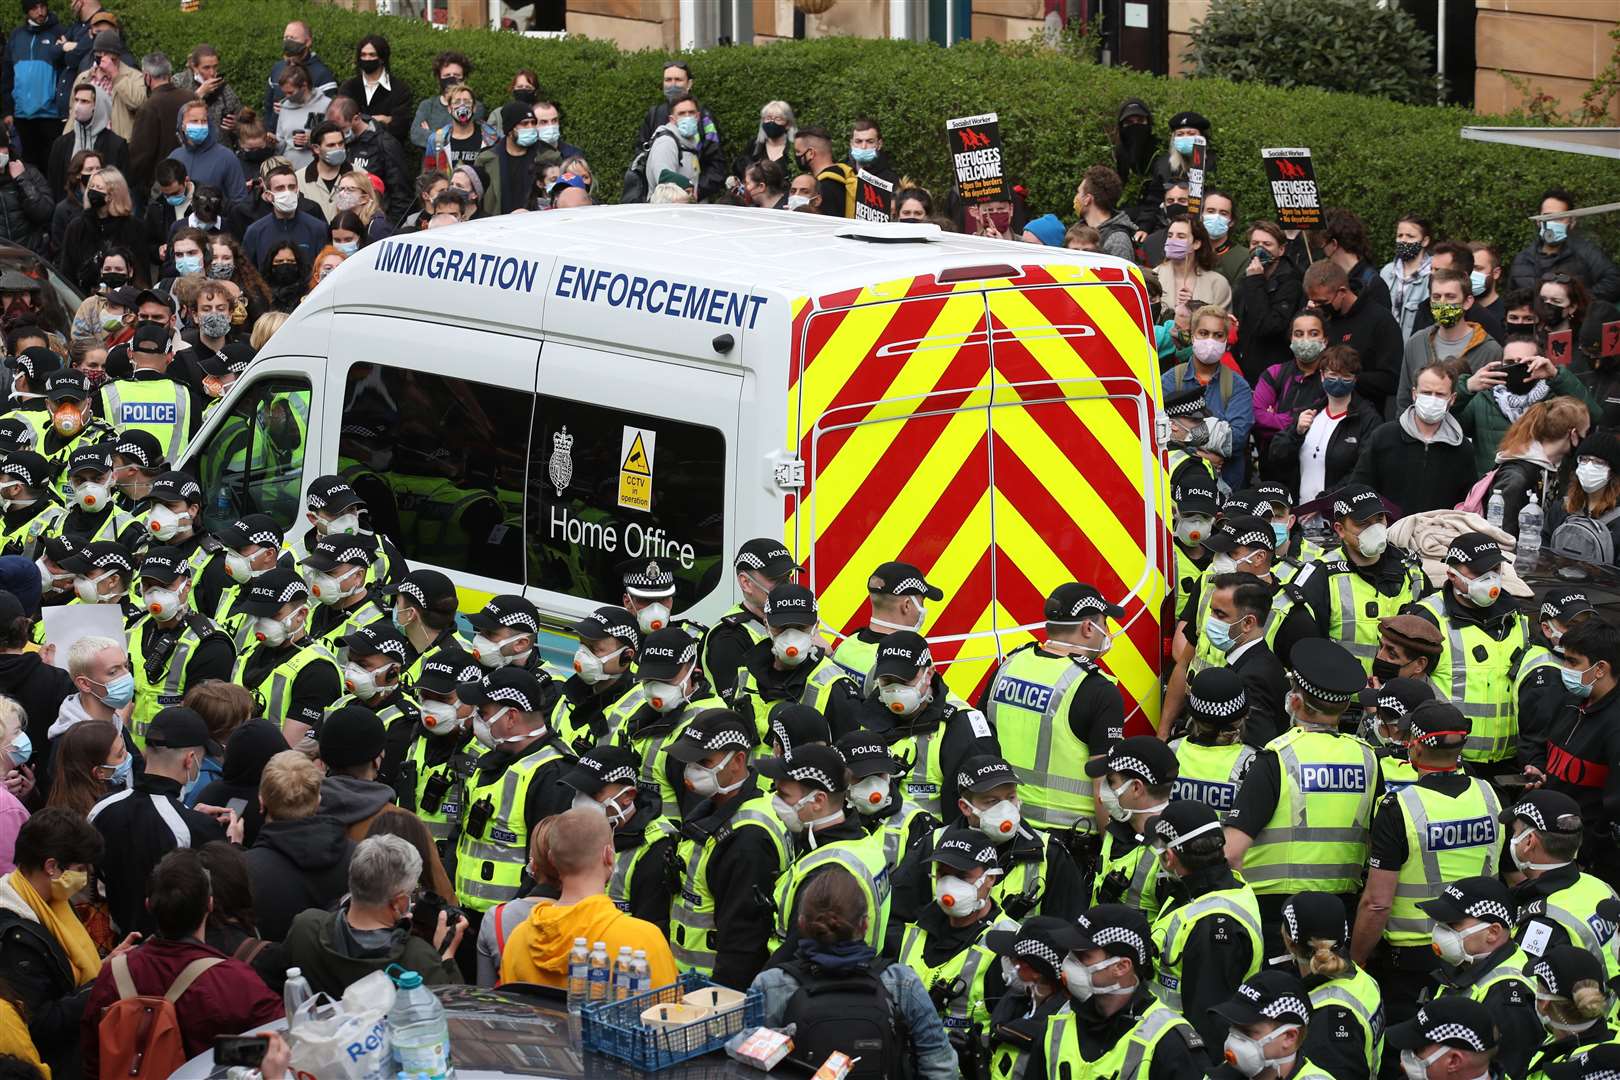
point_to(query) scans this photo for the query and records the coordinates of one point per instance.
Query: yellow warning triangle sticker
(636, 460)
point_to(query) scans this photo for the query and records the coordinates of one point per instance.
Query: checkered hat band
(410, 589)
(1340, 507)
(1222, 709)
(911, 583)
(189, 488)
(1288, 1004)
(811, 774)
(619, 774)
(352, 555)
(514, 695)
(750, 560)
(1533, 813)
(112, 558)
(1489, 909)
(1133, 765)
(1174, 840)
(1311, 689)
(518, 618)
(265, 538)
(1601, 1074)
(1121, 935)
(294, 588)
(1292, 920)
(620, 630)
(132, 450)
(23, 473)
(1040, 950)
(1393, 704)
(726, 737)
(390, 647)
(1254, 536)
(1085, 604)
(1455, 1032)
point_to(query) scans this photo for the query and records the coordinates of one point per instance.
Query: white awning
(1597, 141)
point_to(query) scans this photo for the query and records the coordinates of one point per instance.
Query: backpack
(1474, 502)
(1588, 538)
(635, 188)
(845, 175)
(140, 1035)
(848, 1011)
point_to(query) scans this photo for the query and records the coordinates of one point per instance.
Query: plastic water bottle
(1495, 510)
(1529, 530)
(418, 1031)
(623, 987)
(600, 973)
(294, 993)
(579, 974)
(640, 973)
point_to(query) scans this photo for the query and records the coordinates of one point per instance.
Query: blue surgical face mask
(1218, 634)
(528, 136)
(188, 264)
(196, 132)
(348, 247)
(686, 126)
(550, 134)
(1476, 283)
(119, 692)
(1554, 232)
(1184, 145)
(1573, 683)
(22, 748)
(1216, 225)
(120, 776)
(863, 154)
(175, 200)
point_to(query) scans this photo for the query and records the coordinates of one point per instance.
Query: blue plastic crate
(615, 1027)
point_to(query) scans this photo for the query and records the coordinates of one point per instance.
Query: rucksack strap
(121, 979)
(188, 975)
(249, 949)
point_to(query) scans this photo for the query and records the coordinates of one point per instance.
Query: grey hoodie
(354, 802)
(1117, 242)
(1450, 433)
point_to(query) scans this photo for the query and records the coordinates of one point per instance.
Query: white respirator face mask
(1451, 945)
(653, 617)
(870, 794)
(1080, 978)
(1373, 540)
(441, 718)
(705, 781)
(1248, 1055)
(957, 897)
(1000, 822)
(793, 646)
(592, 668)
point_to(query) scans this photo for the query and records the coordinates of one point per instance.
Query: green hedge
(1374, 156)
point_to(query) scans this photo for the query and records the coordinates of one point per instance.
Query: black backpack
(848, 1011)
(635, 188)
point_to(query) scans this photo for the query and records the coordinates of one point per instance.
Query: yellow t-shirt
(537, 951)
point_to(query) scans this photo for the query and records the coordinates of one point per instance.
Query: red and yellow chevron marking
(999, 480)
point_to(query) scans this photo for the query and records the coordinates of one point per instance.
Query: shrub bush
(1348, 45)
(1375, 156)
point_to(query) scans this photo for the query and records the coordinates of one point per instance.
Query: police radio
(433, 792)
(478, 817)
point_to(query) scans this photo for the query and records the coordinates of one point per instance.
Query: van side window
(610, 487)
(254, 461)
(440, 464)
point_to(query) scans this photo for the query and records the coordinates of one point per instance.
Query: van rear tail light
(977, 273)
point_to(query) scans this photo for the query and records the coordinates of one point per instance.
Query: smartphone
(237, 807)
(1511, 780)
(248, 1050)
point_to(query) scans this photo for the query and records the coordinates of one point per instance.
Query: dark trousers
(1407, 976)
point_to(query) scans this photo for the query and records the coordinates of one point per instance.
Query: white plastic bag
(345, 1040)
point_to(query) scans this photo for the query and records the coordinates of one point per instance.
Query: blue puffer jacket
(36, 78)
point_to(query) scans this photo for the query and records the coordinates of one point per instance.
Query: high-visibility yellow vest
(1355, 606)
(1510, 969)
(1482, 675)
(1029, 710)
(1130, 1058)
(28, 539)
(818, 687)
(965, 969)
(863, 858)
(1175, 924)
(489, 867)
(1206, 655)
(896, 831)
(856, 657)
(362, 614)
(1136, 867)
(1359, 994)
(1318, 834)
(652, 778)
(448, 778)
(737, 616)
(160, 407)
(1397, 772)
(1019, 891)
(1446, 839)
(577, 732)
(279, 680)
(924, 781)
(1575, 909)
(691, 912)
(157, 691)
(1210, 774)
(626, 861)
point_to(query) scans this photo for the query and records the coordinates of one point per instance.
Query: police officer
(148, 399)
(441, 753)
(16, 434)
(1274, 507)
(602, 693)
(425, 612)
(335, 572)
(928, 728)
(1408, 648)
(1194, 507)
(137, 460)
(249, 546)
(1032, 970)
(1343, 599)
(1439, 829)
(809, 797)
(1346, 1036)
(796, 725)
(732, 849)
(374, 676)
(1473, 936)
(172, 647)
(649, 595)
(1575, 1006)
(1212, 758)
(1208, 932)
(1450, 1038)
(761, 565)
(296, 678)
(1266, 1025)
(505, 633)
(67, 395)
(1486, 653)
(1558, 903)
(672, 693)
(604, 779)
(1303, 811)
(1113, 1026)
(174, 519)
(92, 509)
(33, 366)
(1293, 546)
(876, 795)
(1194, 442)
(793, 665)
(1233, 634)
(1242, 544)
(1384, 727)
(1052, 706)
(1138, 775)
(898, 594)
(513, 788)
(1581, 755)
(102, 574)
(1561, 609)
(32, 509)
(56, 583)
(332, 507)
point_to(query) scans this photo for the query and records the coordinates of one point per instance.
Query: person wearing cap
(1450, 1038)
(440, 755)
(1052, 706)
(1558, 903)
(31, 511)
(249, 546)
(1294, 549)
(1194, 508)
(514, 787)
(793, 666)
(1574, 1004)
(1561, 609)
(137, 460)
(1212, 757)
(425, 606)
(149, 400)
(93, 512)
(33, 366)
(898, 594)
(295, 677)
(1473, 936)
(149, 819)
(1113, 1025)
(345, 600)
(505, 633)
(1346, 1037)
(1486, 653)
(602, 693)
(56, 582)
(333, 507)
(761, 565)
(1242, 544)
(928, 728)
(795, 725)
(374, 676)
(15, 434)
(1234, 620)
(1344, 598)
(1438, 829)
(174, 519)
(1305, 806)
(172, 647)
(1268, 1022)
(809, 795)
(103, 573)
(731, 851)
(1408, 648)
(875, 794)
(1032, 972)
(1581, 753)
(649, 595)
(1194, 450)
(672, 692)
(604, 780)
(1385, 729)
(351, 743)
(73, 423)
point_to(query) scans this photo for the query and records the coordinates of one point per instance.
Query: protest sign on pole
(975, 143)
(1195, 175)
(1293, 186)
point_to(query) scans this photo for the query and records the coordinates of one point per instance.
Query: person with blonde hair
(16, 779)
(1574, 1004)
(1227, 394)
(357, 193)
(265, 328)
(1343, 996)
(300, 859)
(1531, 455)
(108, 221)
